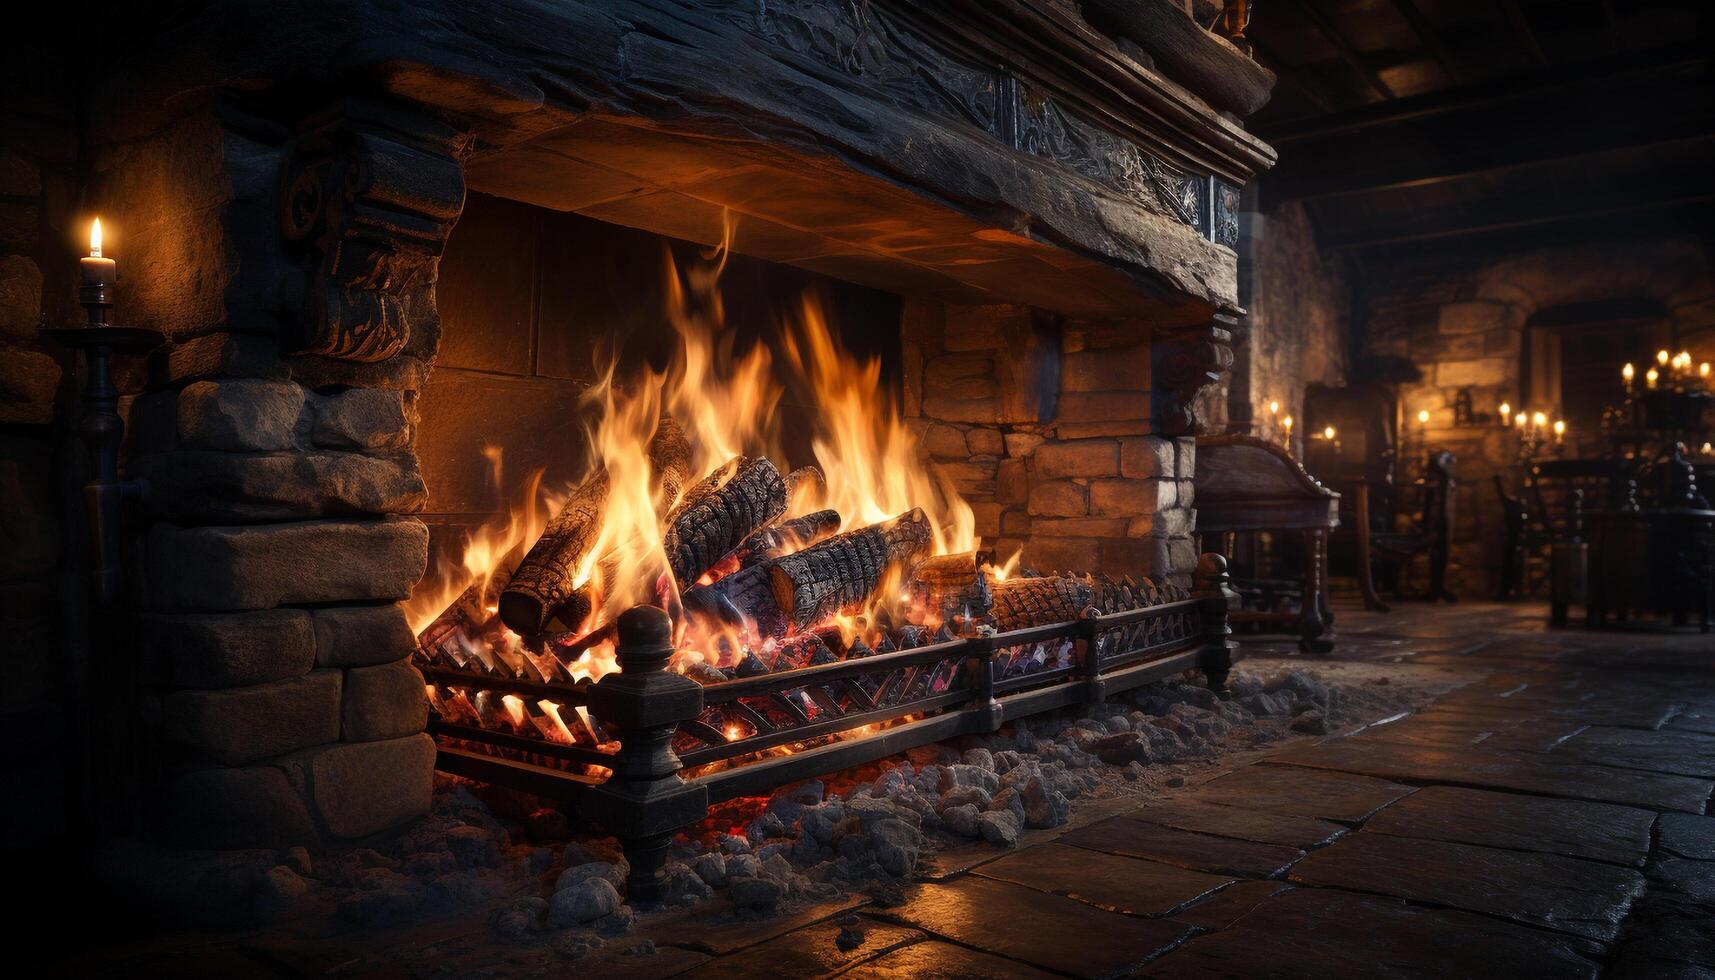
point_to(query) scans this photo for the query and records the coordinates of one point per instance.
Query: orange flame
(727, 405)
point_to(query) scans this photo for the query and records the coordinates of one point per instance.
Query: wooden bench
(1247, 485)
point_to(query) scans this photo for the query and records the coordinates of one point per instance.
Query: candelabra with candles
(1672, 402)
(102, 429)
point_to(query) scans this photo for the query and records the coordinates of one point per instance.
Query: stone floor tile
(1687, 835)
(1219, 910)
(812, 951)
(1302, 833)
(723, 932)
(1687, 880)
(1519, 771)
(1598, 831)
(1109, 881)
(1630, 966)
(1680, 753)
(1324, 933)
(1202, 852)
(1045, 931)
(1580, 897)
(1693, 721)
(1336, 796)
(943, 961)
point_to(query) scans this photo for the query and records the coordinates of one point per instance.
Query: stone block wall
(1297, 331)
(1044, 426)
(279, 704)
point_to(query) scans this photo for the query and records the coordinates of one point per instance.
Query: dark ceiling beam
(1283, 185)
(1429, 38)
(1526, 36)
(1597, 73)
(1348, 53)
(1284, 75)
(1465, 227)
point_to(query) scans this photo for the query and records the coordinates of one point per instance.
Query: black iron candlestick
(101, 427)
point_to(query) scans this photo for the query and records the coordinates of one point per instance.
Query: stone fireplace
(369, 234)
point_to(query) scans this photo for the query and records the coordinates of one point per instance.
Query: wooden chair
(1247, 485)
(1545, 525)
(1371, 515)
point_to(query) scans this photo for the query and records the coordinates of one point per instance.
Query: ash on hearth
(860, 831)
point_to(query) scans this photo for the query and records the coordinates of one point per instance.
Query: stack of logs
(740, 566)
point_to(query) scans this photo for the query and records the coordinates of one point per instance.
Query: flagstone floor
(1548, 818)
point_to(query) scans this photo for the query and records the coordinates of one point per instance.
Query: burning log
(788, 536)
(543, 595)
(955, 584)
(719, 513)
(745, 595)
(804, 479)
(841, 572)
(1023, 602)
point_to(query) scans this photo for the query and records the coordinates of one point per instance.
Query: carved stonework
(1185, 363)
(873, 43)
(369, 194)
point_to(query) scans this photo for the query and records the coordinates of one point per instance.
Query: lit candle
(1274, 408)
(1328, 433)
(1423, 416)
(96, 274)
(1520, 419)
(1703, 370)
(1506, 411)
(1627, 373)
(1651, 376)
(1538, 420)
(1683, 361)
(1661, 357)
(1559, 431)
(1286, 423)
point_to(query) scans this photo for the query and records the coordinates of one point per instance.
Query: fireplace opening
(666, 461)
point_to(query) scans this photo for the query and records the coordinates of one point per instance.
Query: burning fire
(727, 406)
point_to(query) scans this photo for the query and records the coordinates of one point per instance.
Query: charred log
(717, 515)
(953, 585)
(1023, 602)
(744, 599)
(841, 572)
(793, 534)
(543, 595)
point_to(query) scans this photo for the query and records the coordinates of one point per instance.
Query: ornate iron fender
(1186, 361)
(368, 194)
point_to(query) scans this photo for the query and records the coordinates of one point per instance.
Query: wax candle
(97, 276)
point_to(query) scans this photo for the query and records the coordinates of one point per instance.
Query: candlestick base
(120, 340)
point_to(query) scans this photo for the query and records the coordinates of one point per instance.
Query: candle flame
(1628, 372)
(95, 239)
(1539, 419)
(1559, 427)
(1423, 414)
(1661, 357)
(1287, 422)
(1328, 433)
(1506, 410)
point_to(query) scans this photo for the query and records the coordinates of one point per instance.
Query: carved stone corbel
(368, 195)
(1185, 362)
